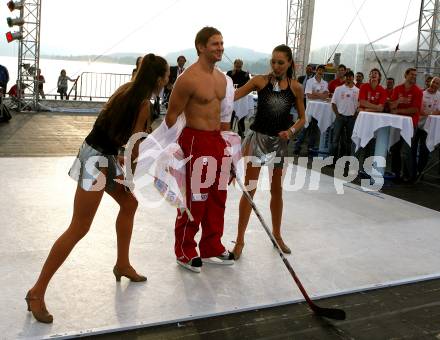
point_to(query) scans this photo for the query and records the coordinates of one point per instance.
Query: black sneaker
(227, 258)
(195, 264)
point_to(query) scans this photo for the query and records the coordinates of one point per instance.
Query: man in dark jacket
(239, 78)
(175, 71)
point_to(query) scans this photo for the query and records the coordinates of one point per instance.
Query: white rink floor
(341, 243)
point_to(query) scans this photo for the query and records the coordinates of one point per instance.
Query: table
(322, 111)
(432, 127)
(386, 127)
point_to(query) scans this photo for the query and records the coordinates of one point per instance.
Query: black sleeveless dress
(273, 110)
(273, 116)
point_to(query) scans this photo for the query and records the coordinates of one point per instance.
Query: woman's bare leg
(276, 201)
(252, 174)
(85, 205)
(124, 223)
(276, 206)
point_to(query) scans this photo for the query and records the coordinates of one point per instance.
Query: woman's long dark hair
(288, 52)
(119, 115)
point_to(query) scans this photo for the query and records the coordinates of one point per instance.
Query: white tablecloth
(244, 106)
(322, 112)
(432, 126)
(367, 123)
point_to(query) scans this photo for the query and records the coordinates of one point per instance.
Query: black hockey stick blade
(330, 313)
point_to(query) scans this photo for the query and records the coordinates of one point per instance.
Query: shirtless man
(198, 93)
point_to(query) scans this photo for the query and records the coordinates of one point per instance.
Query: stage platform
(340, 243)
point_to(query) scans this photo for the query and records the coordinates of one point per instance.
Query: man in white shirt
(345, 106)
(430, 106)
(317, 87)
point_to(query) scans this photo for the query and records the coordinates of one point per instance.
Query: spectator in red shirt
(406, 100)
(372, 95)
(13, 91)
(389, 90)
(359, 79)
(407, 97)
(339, 79)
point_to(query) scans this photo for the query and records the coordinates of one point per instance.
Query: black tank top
(273, 110)
(99, 139)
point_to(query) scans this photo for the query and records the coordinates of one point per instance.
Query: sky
(74, 27)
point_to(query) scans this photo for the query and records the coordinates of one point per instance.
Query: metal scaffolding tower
(29, 55)
(428, 42)
(299, 30)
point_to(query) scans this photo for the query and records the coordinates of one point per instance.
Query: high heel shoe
(41, 314)
(238, 249)
(283, 246)
(129, 273)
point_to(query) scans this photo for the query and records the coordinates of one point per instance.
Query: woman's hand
(284, 134)
(121, 160)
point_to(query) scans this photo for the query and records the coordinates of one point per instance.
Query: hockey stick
(331, 313)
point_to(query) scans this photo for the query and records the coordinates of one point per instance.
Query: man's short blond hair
(203, 36)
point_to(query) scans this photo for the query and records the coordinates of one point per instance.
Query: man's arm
(406, 112)
(395, 100)
(416, 105)
(334, 101)
(371, 107)
(225, 126)
(436, 112)
(310, 94)
(317, 95)
(335, 109)
(182, 92)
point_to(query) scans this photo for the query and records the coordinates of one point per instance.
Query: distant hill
(118, 58)
(231, 53)
(254, 62)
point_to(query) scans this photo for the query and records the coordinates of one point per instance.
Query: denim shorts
(86, 169)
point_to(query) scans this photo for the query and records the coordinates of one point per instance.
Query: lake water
(50, 69)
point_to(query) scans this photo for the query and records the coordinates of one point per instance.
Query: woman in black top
(96, 169)
(268, 136)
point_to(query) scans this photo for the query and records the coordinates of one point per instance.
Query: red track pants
(207, 174)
